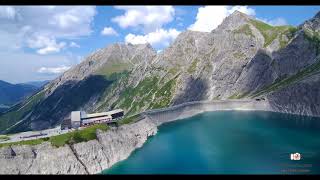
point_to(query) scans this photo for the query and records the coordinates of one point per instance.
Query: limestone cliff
(83, 158)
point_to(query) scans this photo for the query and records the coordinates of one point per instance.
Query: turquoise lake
(229, 142)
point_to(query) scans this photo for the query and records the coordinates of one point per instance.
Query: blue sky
(40, 43)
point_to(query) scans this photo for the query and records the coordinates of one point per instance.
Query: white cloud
(75, 45)
(19, 67)
(149, 18)
(243, 9)
(45, 45)
(109, 31)
(275, 22)
(51, 48)
(24, 23)
(158, 38)
(53, 70)
(209, 17)
(44, 29)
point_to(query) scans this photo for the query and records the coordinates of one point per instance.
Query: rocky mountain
(12, 93)
(241, 58)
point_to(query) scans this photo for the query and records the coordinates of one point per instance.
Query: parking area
(30, 135)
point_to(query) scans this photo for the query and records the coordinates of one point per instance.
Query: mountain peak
(140, 46)
(238, 13)
(233, 21)
(313, 23)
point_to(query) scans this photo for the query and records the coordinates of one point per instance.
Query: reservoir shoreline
(115, 145)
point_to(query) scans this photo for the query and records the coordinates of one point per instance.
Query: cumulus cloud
(51, 48)
(209, 17)
(243, 9)
(51, 23)
(19, 67)
(158, 38)
(45, 45)
(53, 70)
(109, 31)
(149, 18)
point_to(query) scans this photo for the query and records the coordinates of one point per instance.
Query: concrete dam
(185, 110)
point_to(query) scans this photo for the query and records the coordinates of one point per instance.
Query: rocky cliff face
(241, 58)
(302, 97)
(83, 158)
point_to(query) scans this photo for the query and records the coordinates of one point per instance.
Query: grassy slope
(239, 95)
(19, 111)
(314, 38)
(306, 72)
(77, 136)
(150, 93)
(192, 68)
(164, 95)
(4, 137)
(270, 33)
(74, 137)
(110, 69)
(244, 29)
(134, 98)
(129, 119)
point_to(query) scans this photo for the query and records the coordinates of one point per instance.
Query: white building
(81, 118)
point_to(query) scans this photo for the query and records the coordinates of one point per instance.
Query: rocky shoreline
(83, 158)
(110, 147)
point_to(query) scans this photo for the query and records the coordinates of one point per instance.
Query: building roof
(93, 119)
(103, 113)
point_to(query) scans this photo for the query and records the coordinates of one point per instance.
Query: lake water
(229, 142)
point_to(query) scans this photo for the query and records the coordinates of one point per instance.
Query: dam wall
(189, 109)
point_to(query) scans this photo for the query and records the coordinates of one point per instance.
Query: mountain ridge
(13, 93)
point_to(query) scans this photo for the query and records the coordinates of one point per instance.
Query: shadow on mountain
(263, 70)
(71, 96)
(195, 90)
(257, 73)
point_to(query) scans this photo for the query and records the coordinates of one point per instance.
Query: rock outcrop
(301, 98)
(83, 158)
